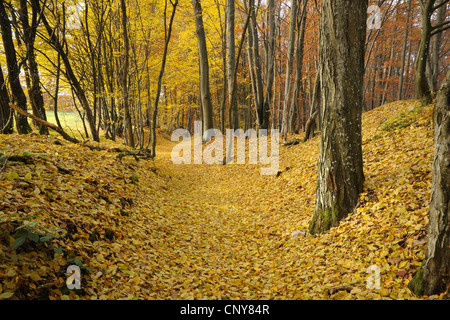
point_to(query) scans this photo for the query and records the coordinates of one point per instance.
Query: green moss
(402, 120)
(323, 220)
(416, 285)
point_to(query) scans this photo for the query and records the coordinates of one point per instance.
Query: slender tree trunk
(23, 127)
(6, 121)
(127, 116)
(433, 276)
(314, 110)
(405, 42)
(388, 76)
(293, 110)
(231, 62)
(225, 72)
(341, 56)
(289, 66)
(255, 67)
(422, 88)
(29, 36)
(435, 48)
(270, 75)
(72, 78)
(205, 94)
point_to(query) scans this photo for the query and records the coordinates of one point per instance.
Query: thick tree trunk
(19, 97)
(434, 275)
(341, 55)
(205, 93)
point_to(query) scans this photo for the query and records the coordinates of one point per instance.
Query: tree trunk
(405, 41)
(270, 75)
(6, 121)
(127, 117)
(161, 72)
(341, 55)
(255, 67)
(423, 89)
(314, 110)
(435, 48)
(289, 65)
(433, 276)
(23, 127)
(298, 72)
(71, 77)
(231, 62)
(205, 93)
(29, 36)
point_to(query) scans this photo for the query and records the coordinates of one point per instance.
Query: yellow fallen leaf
(35, 276)
(6, 295)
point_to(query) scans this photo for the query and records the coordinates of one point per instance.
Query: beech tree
(341, 58)
(29, 36)
(6, 121)
(427, 8)
(127, 117)
(205, 94)
(18, 95)
(434, 274)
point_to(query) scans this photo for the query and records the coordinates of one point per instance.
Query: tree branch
(440, 5)
(440, 28)
(45, 123)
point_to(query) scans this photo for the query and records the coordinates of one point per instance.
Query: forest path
(230, 222)
(155, 230)
(228, 228)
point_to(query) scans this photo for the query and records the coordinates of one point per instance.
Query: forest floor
(150, 229)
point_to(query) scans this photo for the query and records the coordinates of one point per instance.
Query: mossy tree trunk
(340, 174)
(434, 274)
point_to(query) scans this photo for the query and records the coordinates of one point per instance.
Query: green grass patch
(68, 119)
(402, 120)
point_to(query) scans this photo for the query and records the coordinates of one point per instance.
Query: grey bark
(435, 48)
(433, 276)
(289, 66)
(340, 174)
(270, 59)
(205, 94)
(422, 87)
(293, 110)
(231, 62)
(255, 67)
(405, 41)
(127, 116)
